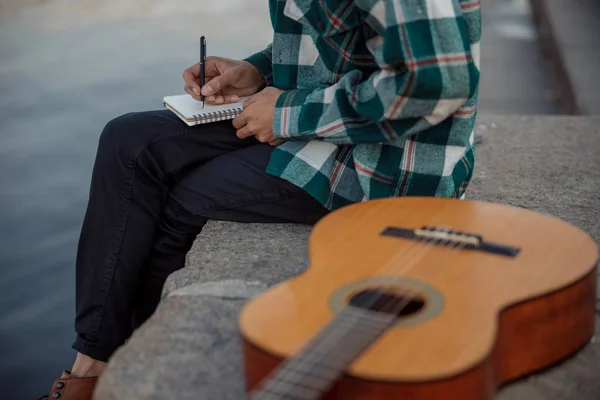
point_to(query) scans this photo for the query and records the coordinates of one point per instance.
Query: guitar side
(514, 355)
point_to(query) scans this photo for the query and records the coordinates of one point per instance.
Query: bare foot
(86, 366)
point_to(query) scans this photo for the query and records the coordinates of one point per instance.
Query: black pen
(202, 62)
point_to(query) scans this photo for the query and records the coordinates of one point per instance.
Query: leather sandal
(68, 388)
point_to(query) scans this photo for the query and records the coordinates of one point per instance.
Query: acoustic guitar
(422, 299)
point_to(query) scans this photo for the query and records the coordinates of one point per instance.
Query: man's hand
(257, 118)
(226, 80)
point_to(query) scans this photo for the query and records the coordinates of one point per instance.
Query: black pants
(155, 183)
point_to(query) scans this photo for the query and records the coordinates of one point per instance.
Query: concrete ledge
(189, 349)
(266, 253)
(571, 38)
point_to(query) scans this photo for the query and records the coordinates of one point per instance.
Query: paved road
(67, 67)
(516, 77)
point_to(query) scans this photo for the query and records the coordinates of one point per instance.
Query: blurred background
(67, 67)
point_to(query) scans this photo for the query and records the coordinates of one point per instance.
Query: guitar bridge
(449, 237)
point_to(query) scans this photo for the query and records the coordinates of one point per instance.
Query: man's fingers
(194, 70)
(231, 98)
(218, 83)
(239, 121)
(222, 99)
(275, 142)
(214, 86)
(244, 132)
(190, 80)
(191, 93)
(214, 99)
(251, 100)
(210, 67)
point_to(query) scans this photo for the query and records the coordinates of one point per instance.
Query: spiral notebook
(191, 112)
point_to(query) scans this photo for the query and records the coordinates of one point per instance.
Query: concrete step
(190, 348)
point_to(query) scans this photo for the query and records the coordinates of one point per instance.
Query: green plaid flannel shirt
(379, 96)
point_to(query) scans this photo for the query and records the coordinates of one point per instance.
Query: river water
(66, 68)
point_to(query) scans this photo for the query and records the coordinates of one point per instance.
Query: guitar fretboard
(317, 367)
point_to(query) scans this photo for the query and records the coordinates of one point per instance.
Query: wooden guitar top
(464, 290)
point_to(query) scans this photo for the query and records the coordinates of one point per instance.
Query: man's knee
(119, 132)
(125, 135)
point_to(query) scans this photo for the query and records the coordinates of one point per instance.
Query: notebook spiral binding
(217, 115)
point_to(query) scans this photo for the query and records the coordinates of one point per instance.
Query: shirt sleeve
(425, 72)
(263, 61)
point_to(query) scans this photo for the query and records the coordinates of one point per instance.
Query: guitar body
(482, 314)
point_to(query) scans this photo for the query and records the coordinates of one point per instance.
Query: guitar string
(400, 308)
(387, 318)
(336, 336)
(429, 245)
(407, 300)
(376, 297)
(332, 337)
(421, 244)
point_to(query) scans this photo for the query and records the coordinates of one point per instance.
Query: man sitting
(353, 100)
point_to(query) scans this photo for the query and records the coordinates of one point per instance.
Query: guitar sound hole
(378, 300)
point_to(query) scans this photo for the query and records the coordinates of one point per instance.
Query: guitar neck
(316, 368)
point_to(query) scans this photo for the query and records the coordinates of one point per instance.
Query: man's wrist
(262, 61)
(261, 82)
